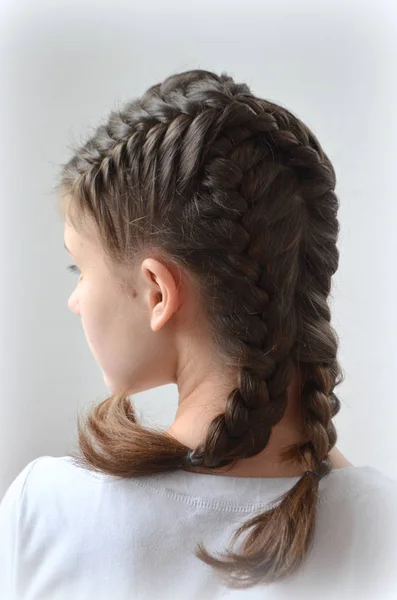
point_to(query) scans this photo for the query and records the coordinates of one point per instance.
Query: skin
(156, 321)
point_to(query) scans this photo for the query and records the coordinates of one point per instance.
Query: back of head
(237, 191)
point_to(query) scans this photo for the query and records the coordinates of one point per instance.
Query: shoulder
(15, 489)
(358, 520)
(375, 509)
(46, 471)
(361, 484)
(361, 495)
(29, 511)
(41, 481)
(11, 501)
(373, 523)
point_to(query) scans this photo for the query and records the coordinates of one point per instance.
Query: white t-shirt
(70, 534)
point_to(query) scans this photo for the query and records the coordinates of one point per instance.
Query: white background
(65, 64)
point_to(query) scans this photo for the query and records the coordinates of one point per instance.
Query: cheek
(118, 334)
(95, 318)
(106, 323)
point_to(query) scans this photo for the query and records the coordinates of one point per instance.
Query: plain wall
(66, 64)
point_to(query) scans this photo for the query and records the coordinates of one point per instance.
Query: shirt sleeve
(9, 532)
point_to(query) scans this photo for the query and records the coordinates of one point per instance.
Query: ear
(162, 290)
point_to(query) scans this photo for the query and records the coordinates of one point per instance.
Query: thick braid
(320, 259)
(259, 401)
(191, 153)
(317, 341)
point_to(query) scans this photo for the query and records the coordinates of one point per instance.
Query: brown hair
(237, 191)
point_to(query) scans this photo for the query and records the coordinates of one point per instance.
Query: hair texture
(237, 191)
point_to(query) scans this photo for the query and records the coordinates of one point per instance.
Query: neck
(193, 418)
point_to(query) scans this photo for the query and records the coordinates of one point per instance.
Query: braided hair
(238, 192)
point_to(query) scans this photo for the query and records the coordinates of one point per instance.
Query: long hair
(237, 191)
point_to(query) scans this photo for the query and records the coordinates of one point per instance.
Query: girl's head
(204, 223)
(143, 321)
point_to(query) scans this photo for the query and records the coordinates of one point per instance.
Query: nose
(73, 304)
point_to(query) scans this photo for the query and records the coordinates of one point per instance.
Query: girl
(203, 222)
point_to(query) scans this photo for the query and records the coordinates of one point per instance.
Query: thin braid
(239, 191)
